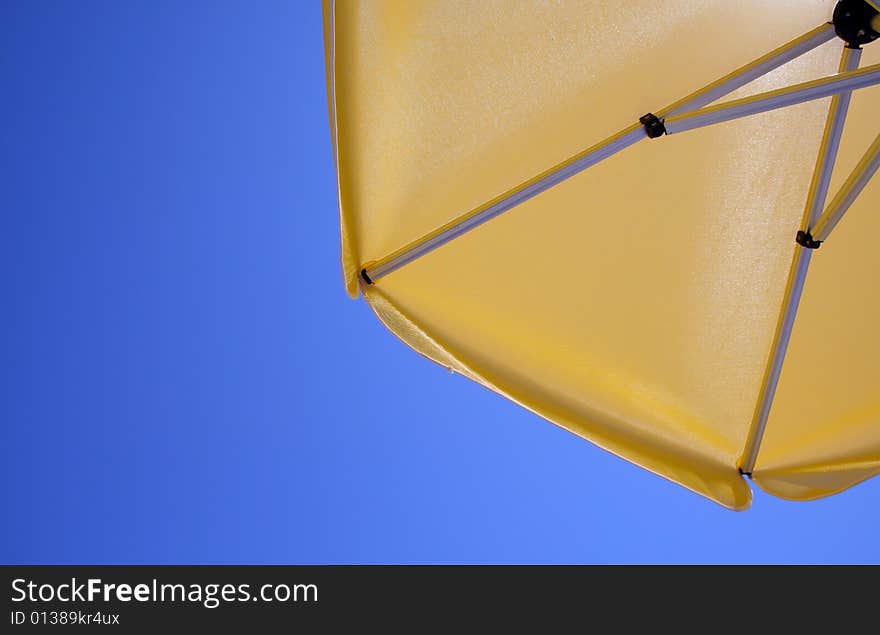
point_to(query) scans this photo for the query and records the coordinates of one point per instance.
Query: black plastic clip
(853, 22)
(366, 278)
(653, 125)
(805, 239)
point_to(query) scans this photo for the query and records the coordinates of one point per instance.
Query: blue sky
(186, 380)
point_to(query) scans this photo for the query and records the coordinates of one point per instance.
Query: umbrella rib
(373, 271)
(774, 99)
(848, 193)
(797, 275)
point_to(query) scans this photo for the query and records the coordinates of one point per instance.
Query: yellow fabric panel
(634, 304)
(640, 444)
(442, 105)
(348, 244)
(823, 434)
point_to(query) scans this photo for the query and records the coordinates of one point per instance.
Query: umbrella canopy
(505, 213)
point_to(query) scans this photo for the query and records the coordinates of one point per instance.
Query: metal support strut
(856, 22)
(789, 96)
(853, 186)
(797, 276)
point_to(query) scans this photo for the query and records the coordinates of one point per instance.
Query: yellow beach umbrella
(607, 212)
